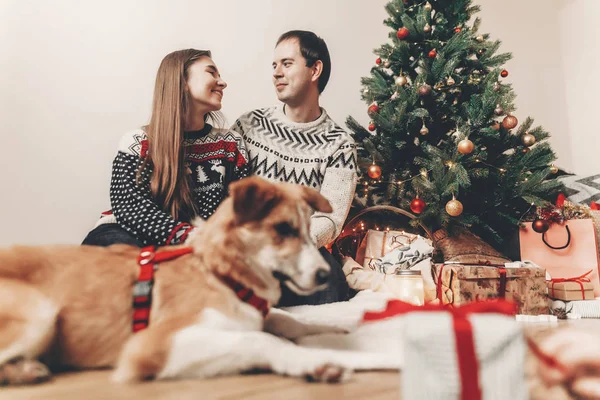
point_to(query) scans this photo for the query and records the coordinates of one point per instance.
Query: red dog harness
(142, 291)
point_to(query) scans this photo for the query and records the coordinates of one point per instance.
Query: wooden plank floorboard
(95, 385)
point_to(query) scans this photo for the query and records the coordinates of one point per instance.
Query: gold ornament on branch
(528, 139)
(479, 38)
(454, 207)
(401, 80)
(424, 131)
(427, 28)
(553, 169)
(428, 6)
(387, 63)
(450, 81)
(465, 146)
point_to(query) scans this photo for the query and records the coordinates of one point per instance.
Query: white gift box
(432, 362)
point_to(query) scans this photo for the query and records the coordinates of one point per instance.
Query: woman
(178, 167)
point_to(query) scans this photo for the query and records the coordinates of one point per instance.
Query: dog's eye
(286, 230)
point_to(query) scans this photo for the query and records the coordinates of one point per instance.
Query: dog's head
(267, 230)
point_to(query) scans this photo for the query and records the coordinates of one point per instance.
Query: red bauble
(540, 226)
(417, 206)
(373, 109)
(374, 171)
(372, 126)
(378, 61)
(432, 53)
(504, 73)
(402, 33)
(458, 29)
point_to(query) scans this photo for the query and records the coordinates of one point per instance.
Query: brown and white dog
(72, 305)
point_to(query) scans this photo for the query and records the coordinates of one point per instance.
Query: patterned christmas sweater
(215, 158)
(317, 154)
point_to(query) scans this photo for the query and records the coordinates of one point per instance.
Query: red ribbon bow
(579, 279)
(594, 206)
(463, 330)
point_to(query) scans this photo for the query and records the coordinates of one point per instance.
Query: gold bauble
(401, 80)
(479, 38)
(454, 208)
(427, 28)
(450, 81)
(424, 131)
(528, 139)
(465, 146)
(428, 6)
(496, 86)
(553, 169)
(374, 171)
(387, 63)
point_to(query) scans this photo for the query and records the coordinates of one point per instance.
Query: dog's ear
(316, 200)
(253, 198)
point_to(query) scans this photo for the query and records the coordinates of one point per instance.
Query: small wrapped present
(576, 288)
(379, 273)
(472, 352)
(377, 244)
(525, 284)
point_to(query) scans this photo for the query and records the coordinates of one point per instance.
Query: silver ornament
(498, 110)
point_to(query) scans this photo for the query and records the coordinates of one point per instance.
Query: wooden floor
(95, 385)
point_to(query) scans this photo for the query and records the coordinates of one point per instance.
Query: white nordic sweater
(317, 154)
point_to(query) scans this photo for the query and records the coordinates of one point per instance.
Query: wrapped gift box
(571, 290)
(460, 284)
(471, 352)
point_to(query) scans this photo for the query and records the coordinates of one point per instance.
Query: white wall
(75, 75)
(579, 39)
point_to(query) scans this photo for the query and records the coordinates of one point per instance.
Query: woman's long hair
(169, 182)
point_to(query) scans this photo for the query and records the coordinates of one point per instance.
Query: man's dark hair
(312, 48)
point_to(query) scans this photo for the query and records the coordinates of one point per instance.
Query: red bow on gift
(579, 279)
(463, 333)
(594, 206)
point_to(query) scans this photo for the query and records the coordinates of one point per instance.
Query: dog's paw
(24, 372)
(329, 373)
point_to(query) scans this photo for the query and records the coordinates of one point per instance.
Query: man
(298, 142)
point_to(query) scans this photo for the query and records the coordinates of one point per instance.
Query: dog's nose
(322, 276)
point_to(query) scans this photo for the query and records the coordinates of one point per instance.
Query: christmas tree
(443, 140)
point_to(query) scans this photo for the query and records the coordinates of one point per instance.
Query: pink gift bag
(566, 250)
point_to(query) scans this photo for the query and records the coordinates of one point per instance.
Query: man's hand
(578, 353)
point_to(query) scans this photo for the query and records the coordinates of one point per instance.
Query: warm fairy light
(424, 173)
(502, 170)
(450, 164)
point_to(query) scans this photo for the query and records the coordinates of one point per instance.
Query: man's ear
(253, 198)
(317, 70)
(316, 200)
